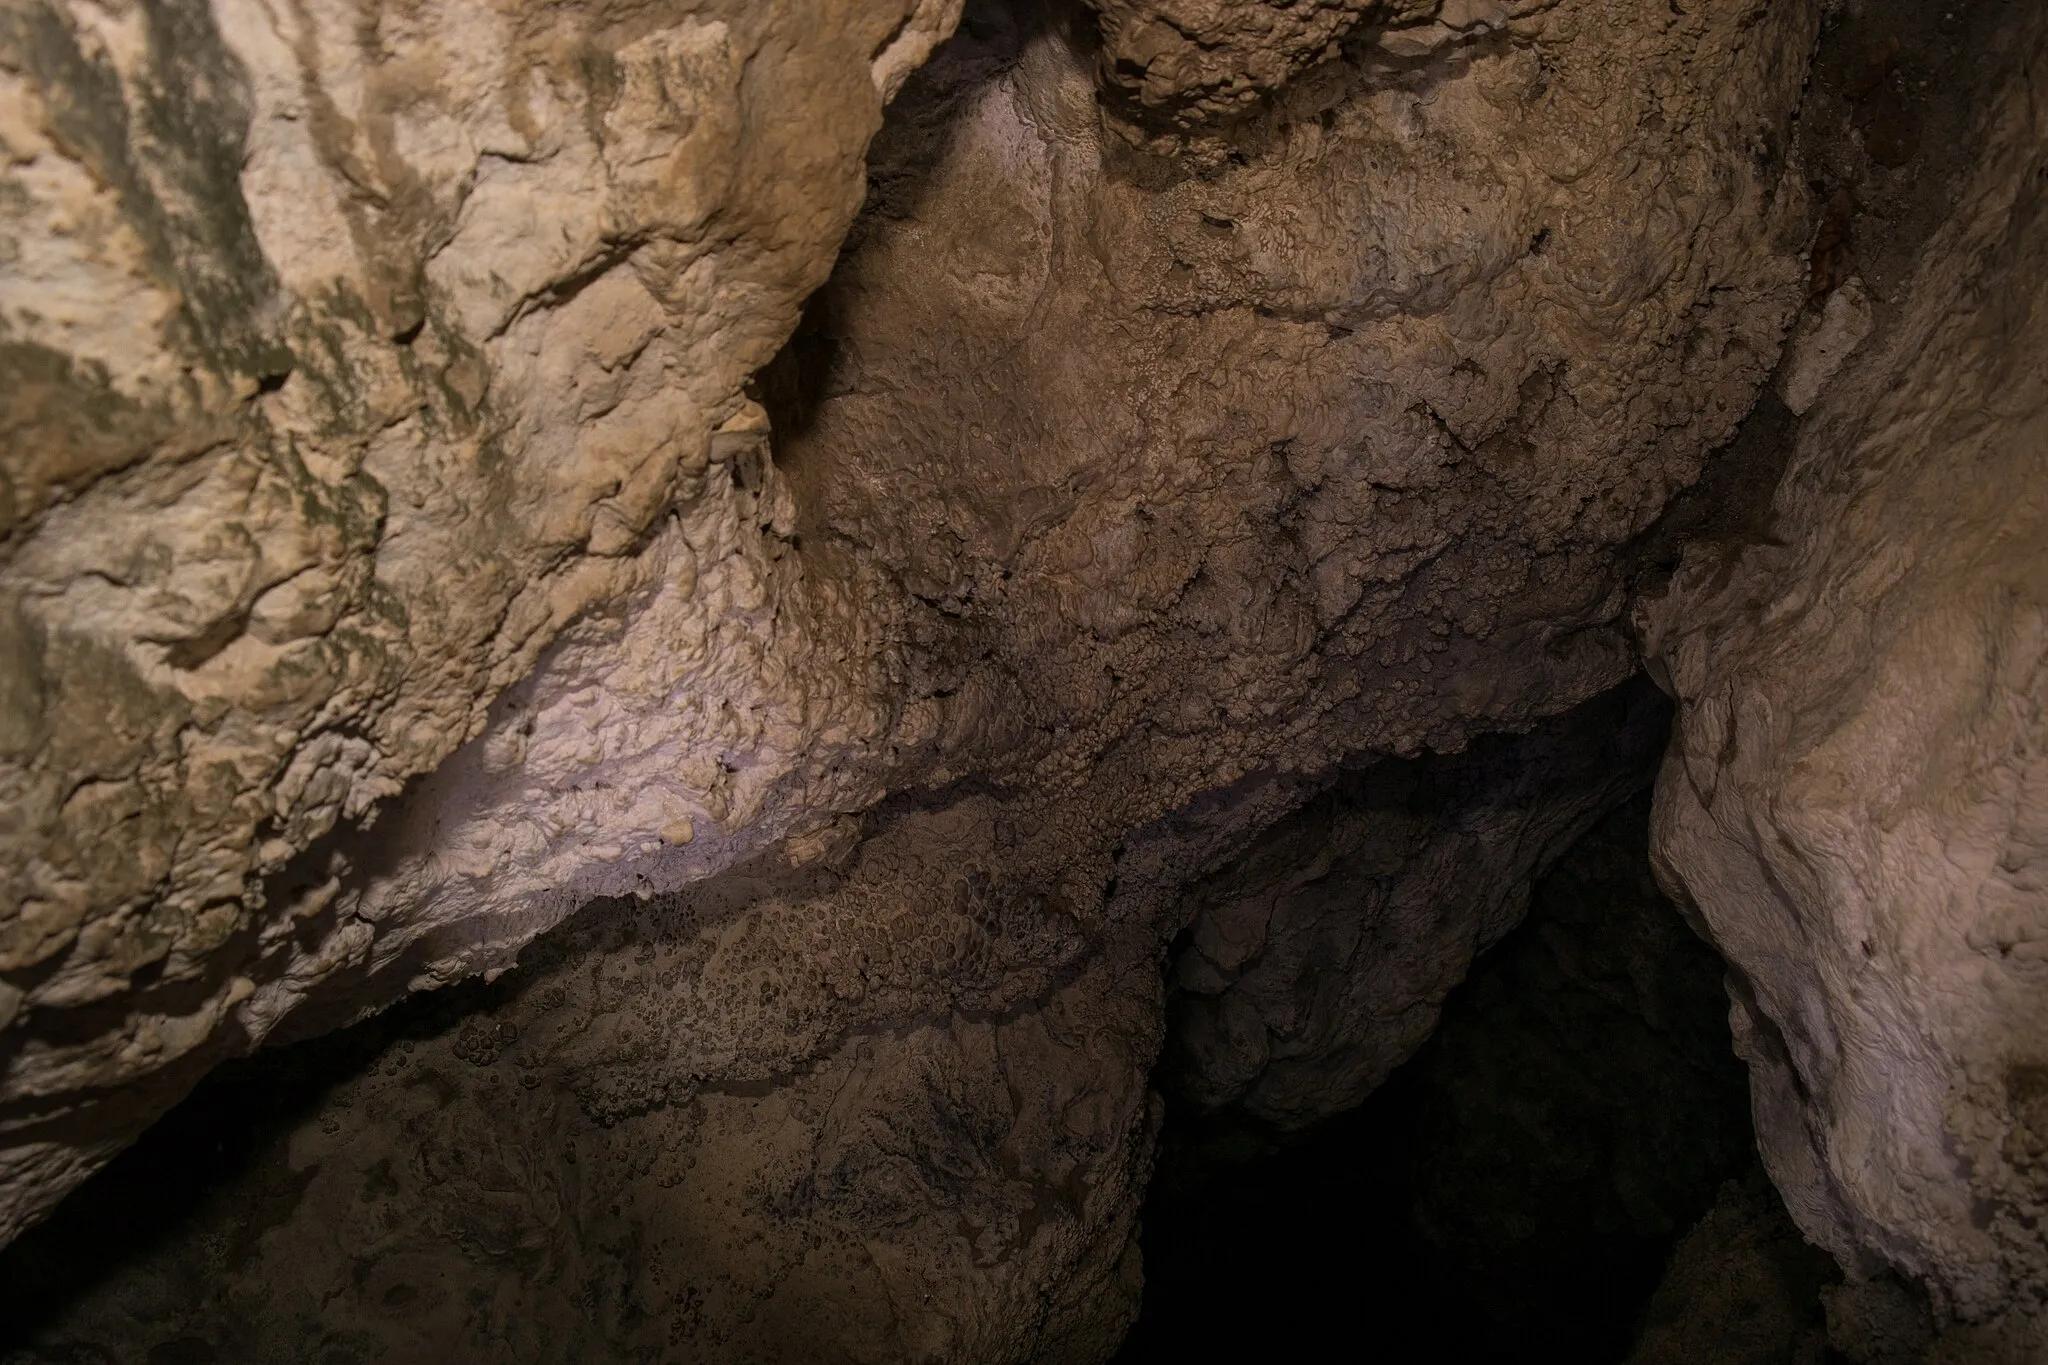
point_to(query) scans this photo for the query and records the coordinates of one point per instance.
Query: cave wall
(1105, 501)
(352, 353)
(1513, 1190)
(1314, 963)
(538, 1176)
(1854, 798)
(886, 584)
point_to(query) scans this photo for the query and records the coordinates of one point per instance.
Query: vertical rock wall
(1856, 796)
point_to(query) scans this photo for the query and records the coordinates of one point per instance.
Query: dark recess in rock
(1516, 1190)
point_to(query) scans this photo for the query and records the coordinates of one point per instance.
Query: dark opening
(1516, 1191)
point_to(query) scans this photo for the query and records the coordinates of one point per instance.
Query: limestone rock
(352, 352)
(1186, 63)
(1743, 1288)
(1822, 343)
(1512, 1192)
(1855, 799)
(1316, 963)
(959, 1189)
(1099, 509)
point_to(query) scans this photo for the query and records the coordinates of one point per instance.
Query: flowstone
(1856, 794)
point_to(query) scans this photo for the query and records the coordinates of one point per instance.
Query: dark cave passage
(1516, 1191)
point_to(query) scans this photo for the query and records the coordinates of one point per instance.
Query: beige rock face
(353, 351)
(1189, 64)
(1101, 506)
(1856, 796)
(1103, 503)
(1183, 478)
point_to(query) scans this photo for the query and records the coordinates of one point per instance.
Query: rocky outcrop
(1513, 1191)
(353, 352)
(1855, 798)
(427, 567)
(1313, 457)
(556, 1171)
(1743, 1288)
(1191, 64)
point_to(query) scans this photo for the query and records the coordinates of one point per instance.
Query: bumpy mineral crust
(354, 351)
(890, 586)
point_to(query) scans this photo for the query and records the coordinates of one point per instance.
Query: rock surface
(1855, 799)
(1316, 962)
(1190, 64)
(1113, 500)
(354, 351)
(537, 1175)
(1512, 1192)
(1743, 1288)
(1189, 479)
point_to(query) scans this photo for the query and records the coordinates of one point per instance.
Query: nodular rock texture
(868, 586)
(353, 353)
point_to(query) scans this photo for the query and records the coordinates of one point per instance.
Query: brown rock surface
(430, 512)
(538, 1175)
(1315, 963)
(1855, 799)
(1743, 1288)
(352, 352)
(1112, 501)
(1513, 1191)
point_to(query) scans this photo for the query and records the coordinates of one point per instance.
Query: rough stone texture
(352, 351)
(1855, 799)
(1212, 518)
(1191, 64)
(1185, 477)
(1316, 963)
(1743, 1288)
(1109, 493)
(497, 1184)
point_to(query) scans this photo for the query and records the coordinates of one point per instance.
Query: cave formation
(1024, 681)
